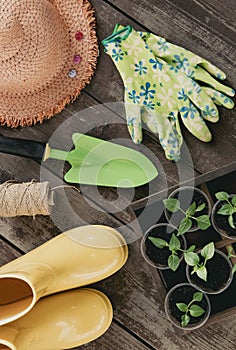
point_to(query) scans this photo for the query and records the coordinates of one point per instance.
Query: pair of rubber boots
(71, 318)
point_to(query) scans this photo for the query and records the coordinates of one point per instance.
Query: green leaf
(226, 209)
(185, 320)
(195, 268)
(201, 207)
(191, 258)
(184, 226)
(174, 243)
(231, 221)
(233, 201)
(172, 204)
(191, 210)
(222, 196)
(202, 273)
(203, 222)
(158, 242)
(197, 296)
(208, 251)
(196, 310)
(234, 269)
(173, 262)
(191, 249)
(182, 307)
(230, 250)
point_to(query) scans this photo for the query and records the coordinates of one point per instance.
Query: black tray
(227, 299)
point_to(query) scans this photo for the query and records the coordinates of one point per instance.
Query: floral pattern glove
(139, 68)
(194, 67)
(161, 88)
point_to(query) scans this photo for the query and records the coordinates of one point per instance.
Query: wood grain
(136, 291)
(184, 23)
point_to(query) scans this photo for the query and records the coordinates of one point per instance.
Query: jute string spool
(30, 198)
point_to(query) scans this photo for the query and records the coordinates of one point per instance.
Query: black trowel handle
(23, 148)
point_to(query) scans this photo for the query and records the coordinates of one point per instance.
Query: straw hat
(48, 52)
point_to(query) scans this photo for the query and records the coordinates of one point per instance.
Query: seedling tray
(224, 303)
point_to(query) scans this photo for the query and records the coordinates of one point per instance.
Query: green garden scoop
(93, 161)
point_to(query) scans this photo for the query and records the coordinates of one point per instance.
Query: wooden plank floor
(207, 27)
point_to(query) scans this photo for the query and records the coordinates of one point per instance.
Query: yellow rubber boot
(59, 321)
(73, 259)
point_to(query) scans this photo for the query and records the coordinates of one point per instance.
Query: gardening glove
(192, 65)
(176, 92)
(137, 67)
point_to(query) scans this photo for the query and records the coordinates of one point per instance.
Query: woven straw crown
(48, 52)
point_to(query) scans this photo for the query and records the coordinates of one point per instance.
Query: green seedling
(203, 221)
(191, 309)
(228, 208)
(192, 259)
(174, 247)
(230, 255)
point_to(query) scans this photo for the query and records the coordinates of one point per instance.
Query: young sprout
(190, 309)
(174, 247)
(193, 259)
(203, 221)
(230, 255)
(228, 208)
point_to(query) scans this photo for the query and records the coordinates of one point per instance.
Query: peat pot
(219, 274)
(158, 257)
(186, 196)
(221, 223)
(183, 293)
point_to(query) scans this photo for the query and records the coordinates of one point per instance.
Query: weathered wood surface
(136, 291)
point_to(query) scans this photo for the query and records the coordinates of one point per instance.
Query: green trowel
(93, 161)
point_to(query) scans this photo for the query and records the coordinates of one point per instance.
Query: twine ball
(25, 199)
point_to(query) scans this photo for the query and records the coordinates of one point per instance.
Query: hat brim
(20, 108)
